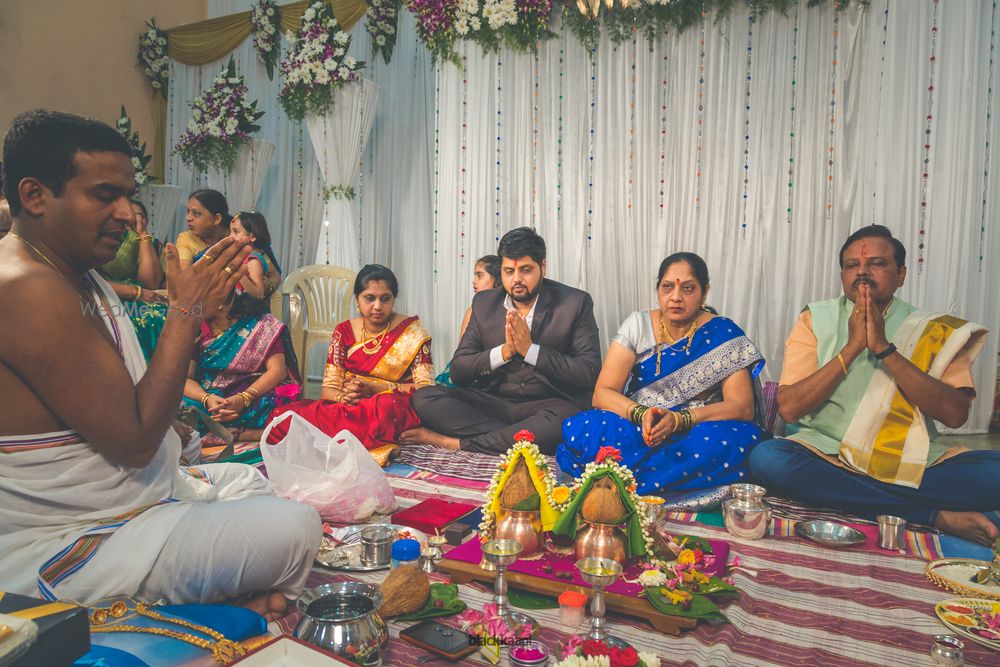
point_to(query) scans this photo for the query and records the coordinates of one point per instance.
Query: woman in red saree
(375, 362)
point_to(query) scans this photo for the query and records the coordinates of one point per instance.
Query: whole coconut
(603, 504)
(518, 486)
(404, 591)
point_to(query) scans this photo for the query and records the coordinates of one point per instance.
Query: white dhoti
(75, 525)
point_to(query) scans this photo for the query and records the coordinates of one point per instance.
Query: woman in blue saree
(244, 368)
(685, 420)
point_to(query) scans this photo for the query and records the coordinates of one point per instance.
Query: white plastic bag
(335, 475)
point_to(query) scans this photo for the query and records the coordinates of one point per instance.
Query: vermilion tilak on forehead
(864, 250)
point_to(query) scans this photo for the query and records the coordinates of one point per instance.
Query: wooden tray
(462, 573)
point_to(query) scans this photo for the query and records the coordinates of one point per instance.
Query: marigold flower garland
(265, 27)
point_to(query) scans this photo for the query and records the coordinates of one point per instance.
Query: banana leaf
(528, 600)
(635, 545)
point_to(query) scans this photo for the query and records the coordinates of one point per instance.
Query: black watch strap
(886, 352)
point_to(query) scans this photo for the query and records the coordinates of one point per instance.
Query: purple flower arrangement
(316, 65)
(381, 21)
(153, 57)
(140, 160)
(222, 120)
(265, 24)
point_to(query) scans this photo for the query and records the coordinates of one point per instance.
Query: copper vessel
(524, 527)
(600, 540)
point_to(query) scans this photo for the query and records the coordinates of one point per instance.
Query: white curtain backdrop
(758, 144)
(242, 183)
(338, 138)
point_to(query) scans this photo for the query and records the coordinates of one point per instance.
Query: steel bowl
(830, 534)
(343, 618)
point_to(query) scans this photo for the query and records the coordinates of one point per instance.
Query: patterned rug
(800, 604)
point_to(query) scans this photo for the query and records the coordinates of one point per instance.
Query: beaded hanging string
(463, 158)
(534, 140)
(701, 113)
(662, 166)
(746, 123)
(499, 126)
(300, 193)
(559, 132)
(925, 164)
(832, 126)
(170, 120)
(437, 161)
(986, 151)
(630, 164)
(878, 114)
(590, 144)
(791, 130)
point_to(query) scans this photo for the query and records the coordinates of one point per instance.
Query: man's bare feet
(269, 604)
(972, 526)
(425, 436)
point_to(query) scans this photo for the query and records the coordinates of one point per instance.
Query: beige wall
(80, 56)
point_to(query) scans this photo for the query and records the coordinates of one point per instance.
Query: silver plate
(830, 534)
(348, 557)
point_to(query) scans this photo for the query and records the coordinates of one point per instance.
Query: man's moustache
(864, 281)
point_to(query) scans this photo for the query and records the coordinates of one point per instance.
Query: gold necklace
(48, 261)
(367, 338)
(224, 651)
(670, 340)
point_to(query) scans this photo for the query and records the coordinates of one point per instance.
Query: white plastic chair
(319, 298)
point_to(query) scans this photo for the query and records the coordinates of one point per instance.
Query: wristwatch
(886, 352)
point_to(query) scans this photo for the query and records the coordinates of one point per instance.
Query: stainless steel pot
(343, 618)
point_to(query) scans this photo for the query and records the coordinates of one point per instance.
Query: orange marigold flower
(560, 494)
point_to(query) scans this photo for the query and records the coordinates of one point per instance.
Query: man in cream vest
(865, 376)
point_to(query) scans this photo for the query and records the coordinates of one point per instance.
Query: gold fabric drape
(206, 41)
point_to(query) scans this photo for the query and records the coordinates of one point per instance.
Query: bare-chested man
(864, 377)
(92, 500)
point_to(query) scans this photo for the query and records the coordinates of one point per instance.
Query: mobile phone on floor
(440, 639)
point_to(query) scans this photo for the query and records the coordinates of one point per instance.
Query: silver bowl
(343, 618)
(830, 534)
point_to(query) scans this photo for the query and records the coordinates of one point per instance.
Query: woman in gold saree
(375, 362)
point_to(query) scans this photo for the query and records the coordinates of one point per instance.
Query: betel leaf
(528, 600)
(529, 504)
(693, 542)
(701, 607)
(717, 586)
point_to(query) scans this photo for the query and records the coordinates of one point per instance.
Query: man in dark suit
(528, 360)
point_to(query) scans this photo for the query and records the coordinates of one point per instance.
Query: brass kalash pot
(519, 525)
(523, 527)
(602, 513)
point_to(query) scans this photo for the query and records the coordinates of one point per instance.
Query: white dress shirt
(496, 354)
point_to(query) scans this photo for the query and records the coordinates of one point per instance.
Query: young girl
(262, 279)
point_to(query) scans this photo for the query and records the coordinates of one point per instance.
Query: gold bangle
(138, 292)
(204, 400)
(677, 420)
(843, 364)
(145, 238)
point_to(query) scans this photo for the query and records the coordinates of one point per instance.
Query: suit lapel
(541, 311)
